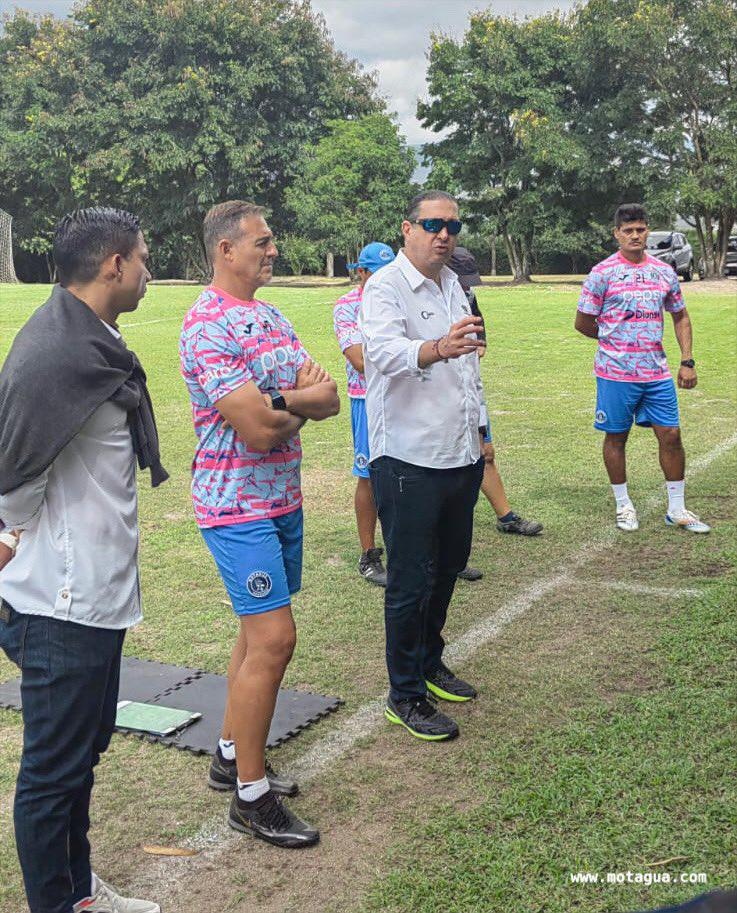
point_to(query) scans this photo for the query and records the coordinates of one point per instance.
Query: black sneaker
(223, 776)
(422, 719)
(370, 566)
(470, 573)
(519, 526)
(448, 687)
(269, 819)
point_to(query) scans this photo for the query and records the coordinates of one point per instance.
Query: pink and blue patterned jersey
(628, 300)
(226, 343)
(345, 321)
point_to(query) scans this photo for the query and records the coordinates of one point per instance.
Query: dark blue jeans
(427, 522)
(69, 686)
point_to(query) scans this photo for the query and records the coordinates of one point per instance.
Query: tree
(300, 254)
(354, 185)
(165, 107)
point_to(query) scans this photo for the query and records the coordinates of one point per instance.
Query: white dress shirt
(77, 559)
(426, 416)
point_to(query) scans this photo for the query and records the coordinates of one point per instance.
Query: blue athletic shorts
(360, 438)
(260, 561)
(620, 402)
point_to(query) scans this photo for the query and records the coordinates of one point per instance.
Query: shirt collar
(415, 278)
(114, 330)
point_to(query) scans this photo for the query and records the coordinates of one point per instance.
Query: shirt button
(64, 593)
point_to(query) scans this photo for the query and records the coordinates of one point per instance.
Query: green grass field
(604, 737)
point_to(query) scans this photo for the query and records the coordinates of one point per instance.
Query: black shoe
(371, 568)
(271, 820)
(422, 719)
(223, 776)
(470, 573)
(443, 684)
(519, 526)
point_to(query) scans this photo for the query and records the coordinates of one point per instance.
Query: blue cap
(373, 257)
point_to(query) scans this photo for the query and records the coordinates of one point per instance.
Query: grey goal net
(7, 270)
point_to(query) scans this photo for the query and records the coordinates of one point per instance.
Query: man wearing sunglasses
(426, 418)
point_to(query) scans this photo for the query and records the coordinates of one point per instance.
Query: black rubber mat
(193, 689)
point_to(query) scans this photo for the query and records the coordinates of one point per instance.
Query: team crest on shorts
(361, 460)
(601, 416)
(259, 584)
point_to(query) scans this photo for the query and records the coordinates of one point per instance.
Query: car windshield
(732, 245)
(659, 240)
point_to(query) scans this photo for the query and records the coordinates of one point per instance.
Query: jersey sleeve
(345, 325)
(674, 298)
(215, 359)
(591, 299)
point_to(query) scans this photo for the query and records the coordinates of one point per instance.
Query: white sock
(621, 496)
(227, 749)
(249, 792)
(676, 497)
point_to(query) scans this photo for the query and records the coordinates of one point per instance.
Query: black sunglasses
(434, 226)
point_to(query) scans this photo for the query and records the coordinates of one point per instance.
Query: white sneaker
(627, 518)
(105, 900)
(686, 520)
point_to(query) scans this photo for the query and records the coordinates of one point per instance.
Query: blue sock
(507, 518)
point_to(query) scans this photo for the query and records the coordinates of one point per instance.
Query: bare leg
(671, 452)
(236, 661)
(493, 488)
(271, 641)
(365, 514)
(614, 456)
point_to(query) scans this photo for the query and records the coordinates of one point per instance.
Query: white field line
(164, 879)
(642, 589)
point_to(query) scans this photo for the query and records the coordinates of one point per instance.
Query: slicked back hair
(224, 221)
(85, 238)
(630, 212)
(413, 209)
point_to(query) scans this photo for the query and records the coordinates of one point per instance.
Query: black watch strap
(688, 363)
(277, 401)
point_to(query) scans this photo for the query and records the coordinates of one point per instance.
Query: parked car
(673, 248)
(730, 264)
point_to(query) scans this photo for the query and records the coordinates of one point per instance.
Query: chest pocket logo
(426, 315)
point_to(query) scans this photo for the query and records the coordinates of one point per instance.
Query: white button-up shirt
(77, 559)
(426, 416)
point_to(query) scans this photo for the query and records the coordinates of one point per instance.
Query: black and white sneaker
(371, 568)
(223, 777)
(422, 719)
(269, 819)
(520, 526)
(470, 573)
(448, 687)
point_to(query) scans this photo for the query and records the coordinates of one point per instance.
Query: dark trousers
(69, 686)
(427, 522)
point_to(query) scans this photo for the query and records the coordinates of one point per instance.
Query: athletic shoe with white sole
(223, 775)
(105, 900)
(269, 819)
(371, 567)
(422, 719)
(627, 518)
(688, 521)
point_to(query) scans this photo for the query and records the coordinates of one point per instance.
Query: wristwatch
(10, 540)
(277, 401)
(688, 363)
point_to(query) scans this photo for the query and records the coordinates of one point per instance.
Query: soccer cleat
(269, 819)
(688, 521)
(370, 566)
(520, 527)
(223, 777)
(470, 573)
(627, 518)
(420, 718)
(105, 900)
(448, 687)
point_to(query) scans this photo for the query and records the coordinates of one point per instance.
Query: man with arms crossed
(252, 388)
(74, 415)
(426, 418)
(345, 321)
(621, 305)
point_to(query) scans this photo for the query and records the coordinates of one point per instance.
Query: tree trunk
(330, 265)
(493, 255)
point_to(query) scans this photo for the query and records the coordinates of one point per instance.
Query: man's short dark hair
(630, 212)
(224, 221)
(85, 238)
(413, 209)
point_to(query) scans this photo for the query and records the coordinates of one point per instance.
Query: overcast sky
(389, 36)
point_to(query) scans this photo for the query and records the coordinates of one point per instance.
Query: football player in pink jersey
(621, 305)
(252, 387)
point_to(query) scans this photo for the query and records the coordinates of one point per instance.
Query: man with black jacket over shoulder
(74, 415)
